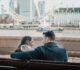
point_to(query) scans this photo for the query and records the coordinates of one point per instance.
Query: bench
(14, 64)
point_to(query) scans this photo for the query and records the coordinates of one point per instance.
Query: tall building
(35, 9)
(4, 9)
(10, 5)
(28, 8)
(25, 7)
(41, 5)
(13, 4)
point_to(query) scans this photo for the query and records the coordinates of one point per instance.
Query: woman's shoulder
(25, 48)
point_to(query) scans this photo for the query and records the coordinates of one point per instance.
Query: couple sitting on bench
(48, 51)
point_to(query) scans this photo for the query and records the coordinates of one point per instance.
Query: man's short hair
(49, 34)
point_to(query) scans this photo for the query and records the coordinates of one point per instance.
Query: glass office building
(27, 8)
(4, 7)
(7, 5)
(24, 7)
(41, 5)
(30, 9)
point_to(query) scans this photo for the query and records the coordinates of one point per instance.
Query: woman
(25, 45)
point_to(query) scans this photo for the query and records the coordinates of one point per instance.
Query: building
(67, 16)
(4, 9)
(67, 13)
(31, 8)
(13, 4)
(25, 7)
(41, 5)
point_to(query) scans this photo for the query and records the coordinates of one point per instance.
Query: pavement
(34, 33)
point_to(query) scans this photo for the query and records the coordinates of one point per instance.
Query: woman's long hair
(24, 39)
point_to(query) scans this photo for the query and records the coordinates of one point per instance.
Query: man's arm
(35, 54)
(18, 50)
(65, 55)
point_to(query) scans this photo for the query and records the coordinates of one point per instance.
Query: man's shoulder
(57, 49)
(40, 48)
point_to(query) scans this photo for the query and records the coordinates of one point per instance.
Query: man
(49, 51)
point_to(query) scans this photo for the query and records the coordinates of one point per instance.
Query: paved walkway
(34, 33)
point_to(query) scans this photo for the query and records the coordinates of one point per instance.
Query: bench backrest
(38, 64)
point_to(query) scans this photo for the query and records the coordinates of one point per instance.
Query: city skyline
(29, 8)
(41, 10)
(61, 3)
(51, 3)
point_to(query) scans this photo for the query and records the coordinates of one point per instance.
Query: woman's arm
(18, 50)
